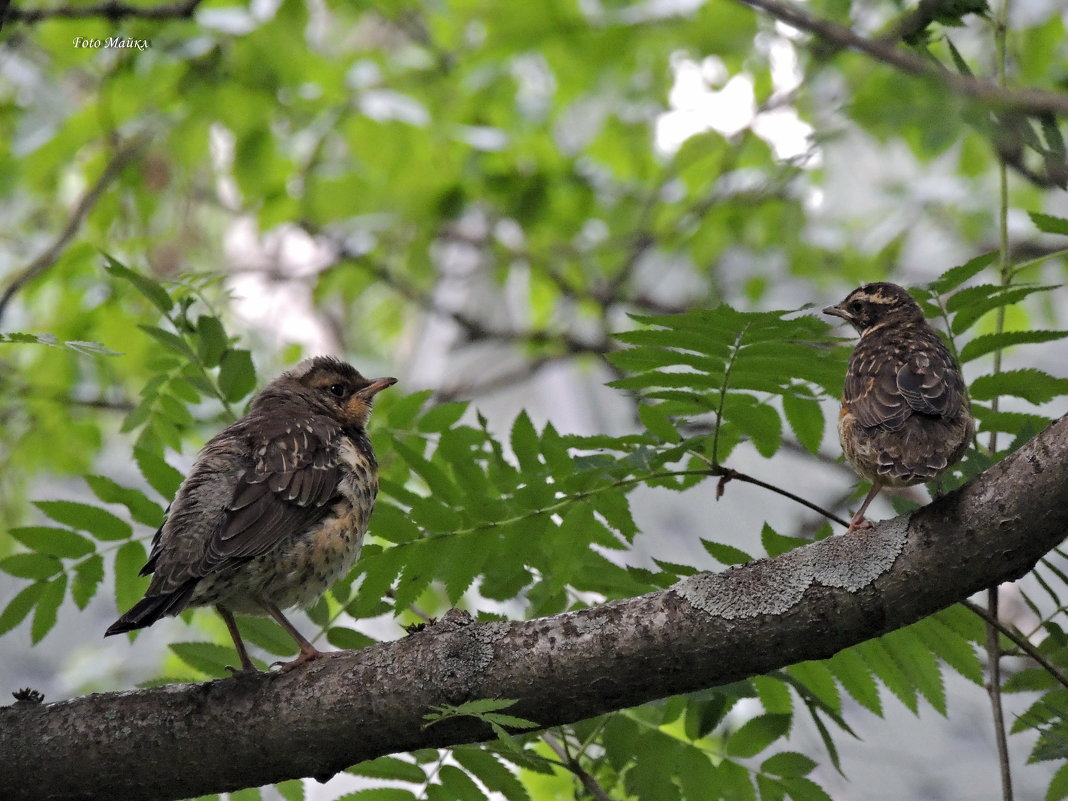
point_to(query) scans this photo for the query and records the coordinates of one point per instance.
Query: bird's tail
(151, 608)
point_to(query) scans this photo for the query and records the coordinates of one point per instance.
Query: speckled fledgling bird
(904, 417)
(274, 509)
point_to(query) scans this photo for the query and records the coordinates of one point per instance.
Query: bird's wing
(885, 392)
(931, 383)
(872, 395)
(289, 484)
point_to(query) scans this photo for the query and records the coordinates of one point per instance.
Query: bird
(274, 509)
(904, 417)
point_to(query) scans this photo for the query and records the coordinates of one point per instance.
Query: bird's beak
(376, 386)
(838, 311)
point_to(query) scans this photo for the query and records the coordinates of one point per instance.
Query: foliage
(509, 154)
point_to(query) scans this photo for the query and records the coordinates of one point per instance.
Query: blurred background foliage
(476, 196)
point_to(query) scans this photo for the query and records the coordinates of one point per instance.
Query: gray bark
(710, 629)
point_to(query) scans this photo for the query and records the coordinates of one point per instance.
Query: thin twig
(572, 764)
(729, 474)
(112, 10)
(993, 650)
(993, 646)
(85, 204)
(1021, 642)
(1031, 101)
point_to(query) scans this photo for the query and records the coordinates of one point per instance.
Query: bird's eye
(338, 390)
(856, 306)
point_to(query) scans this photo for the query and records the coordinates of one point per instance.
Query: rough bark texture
(188, 740)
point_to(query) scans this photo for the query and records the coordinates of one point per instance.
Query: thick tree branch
(707, 630)
(1030, 101)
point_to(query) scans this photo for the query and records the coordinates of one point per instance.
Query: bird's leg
(308, 652)
(858, 521)
(239, 644)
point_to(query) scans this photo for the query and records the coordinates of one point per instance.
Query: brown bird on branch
(904, 417)
(275, 508)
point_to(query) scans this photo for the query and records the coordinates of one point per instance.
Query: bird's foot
(308, 654)
(860, 524)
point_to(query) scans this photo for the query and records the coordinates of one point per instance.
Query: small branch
(85, 204)
(1031, 101)
(1020, 641)
(728, 474)
(592, 787)
(993, 650)
(113, 11)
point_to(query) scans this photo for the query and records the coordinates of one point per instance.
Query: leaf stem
(723, 391)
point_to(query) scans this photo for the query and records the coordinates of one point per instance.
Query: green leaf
(163, 478)
(44, 618)
(525, 444)
(1058, 786)
(774, 694)
(142, 509)
(953, 278)
(292, 790)
(1049, 224)
(757, 734)
(726, 554)
(850, 669)
(101, 523)
(401, 414)
(129, 586)
(973, 302)
(735, 782)
(788, 763)
(696, 773)
(347, 639)
(776, 544)
(380, 794)
(37, 566)
(806, 419)
(818, 680)
(268, 635)
(802, 789)
(758, 421)
(1033, 385)
(388, 767)
(460, 785)
(171, 342)
(59, 542)
(950, 647)
(488, 769)
(441, 417)
(237, 375)
(211, 340)
(205, 657)
(87, 577)
(20, 606)
(704, 714)
(393, 524)
(440, 485)
(881, 663)
(146, 286)
(658, 422)
(988, 343)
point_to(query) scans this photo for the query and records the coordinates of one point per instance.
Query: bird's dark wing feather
(289, 484)
(885, 391)
(930, 383)
(872, 395)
